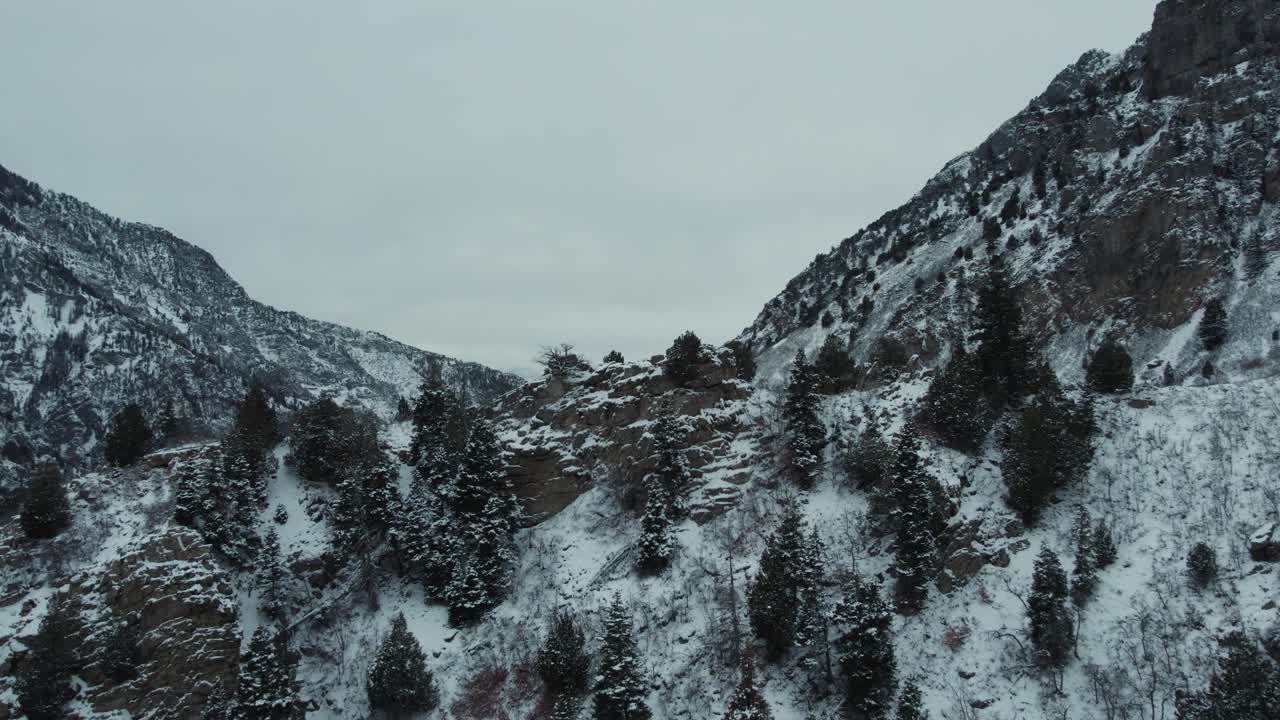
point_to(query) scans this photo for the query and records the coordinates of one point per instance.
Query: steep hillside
(1137, 187)
(96, 312)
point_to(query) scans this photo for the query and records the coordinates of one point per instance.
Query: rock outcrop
(566, 434)
(185, 615)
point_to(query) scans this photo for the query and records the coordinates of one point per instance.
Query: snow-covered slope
(96, 312)
(1137, 187)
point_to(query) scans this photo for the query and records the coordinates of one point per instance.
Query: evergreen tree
(1046, 448)
(256, 420)
(1213, 325)
(954, 405)
(811, 616)
(129, 437)
(267, 679)
(773, 595)
(1084, 575)
(1202, 565)
(613, 356)
(465, 594)
(563, 662)
(404, 411)
(399, 683)
(911, 704)
(671, 469)
(167, 423)
(43, 679)
(833, 365)
(1110, 369)
(1246, 686)
(656, 545)
(1051, 626)
(219, 706)
(683, 358)
(1003, 354)
(865, 649)
(743, 359)
(1104, 548)
(917, 517)
(270, 577)
(806, 436)
(748, 702)
(45, 512)
(565, 707)
(120, 657)
(621, 691)
(440, 426)
(867, 462)
(327, 439)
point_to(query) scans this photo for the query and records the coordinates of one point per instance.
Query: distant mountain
(96, 312)
(1136, 188)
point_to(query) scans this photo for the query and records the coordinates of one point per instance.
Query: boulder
(1264, 544)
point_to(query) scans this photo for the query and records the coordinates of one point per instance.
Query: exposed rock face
(1264, 544)
(974, 545)
(566, 435)
(186, 616)
(1114, 211)
(1196, 38)
(96, 312)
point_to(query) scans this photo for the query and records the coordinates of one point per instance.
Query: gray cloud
(479, 179)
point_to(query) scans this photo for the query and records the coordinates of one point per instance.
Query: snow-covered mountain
(1136, 189)
(96, 312)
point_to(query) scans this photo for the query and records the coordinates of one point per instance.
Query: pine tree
(671, 470)
(1104, 548)
(129, 437)
(565, 707)
(45, 512)
(404, 411)
(267, 679)
(1213, 325)
(563, 662)
(865, 648)
(1084, 575)
(1046, 448)
(806, 436)
(656, 545)
(1003, 354)
(773, 600)
(867, 462)
(683, 358)
(219, 706)
(743, 359)
(399, 683)
(833, 366)
(613, 356)
(270, 577)
(954, 405)
(811, 621)
(1110, 369)
(466, 595)
(748, 702)
(256, 420)
(916, 515)
(621, 691)
(1246, 686)
(1051, 626)
(911, 704)
(1202, 565)
(43, 679)
(440, 425)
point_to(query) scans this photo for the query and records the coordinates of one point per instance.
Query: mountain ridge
(96, 312)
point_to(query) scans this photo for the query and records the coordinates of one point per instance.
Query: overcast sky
(480, 178)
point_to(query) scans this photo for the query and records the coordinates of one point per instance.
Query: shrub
(1110, 369)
